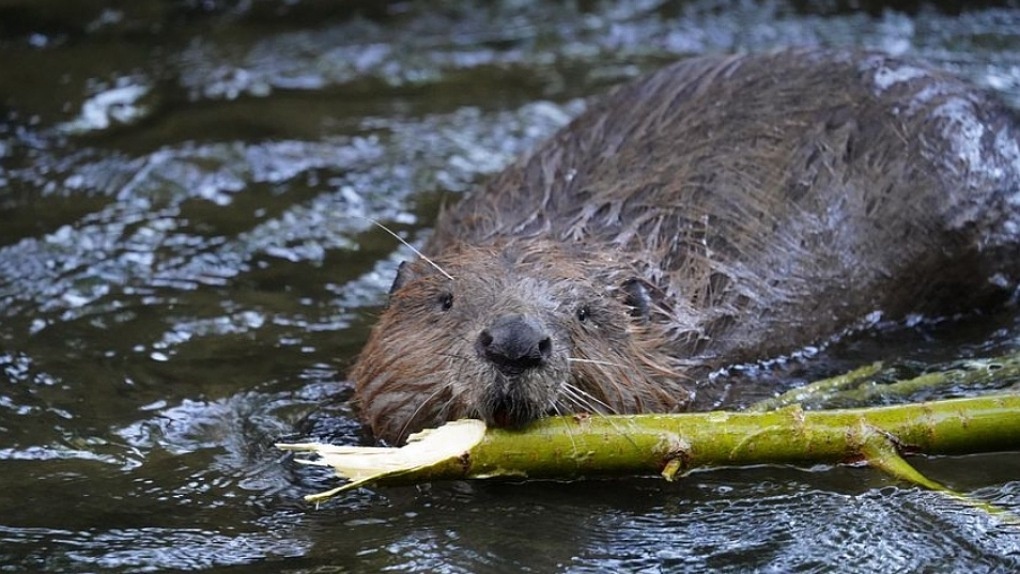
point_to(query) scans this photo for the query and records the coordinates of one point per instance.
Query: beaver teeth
(507, 409)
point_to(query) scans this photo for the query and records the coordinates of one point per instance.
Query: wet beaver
(719, 211)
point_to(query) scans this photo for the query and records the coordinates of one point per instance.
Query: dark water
(186, 271)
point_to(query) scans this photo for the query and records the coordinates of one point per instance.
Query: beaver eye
(446, 301)
(583, 312)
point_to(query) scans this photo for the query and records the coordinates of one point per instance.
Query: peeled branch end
(366, 465)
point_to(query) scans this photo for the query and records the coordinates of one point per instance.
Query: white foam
(118, 105)
(886, 77)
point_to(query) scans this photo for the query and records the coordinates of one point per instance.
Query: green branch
(671, 445)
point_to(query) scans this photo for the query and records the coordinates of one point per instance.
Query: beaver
(719, 211)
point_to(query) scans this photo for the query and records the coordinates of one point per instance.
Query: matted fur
(763, 203)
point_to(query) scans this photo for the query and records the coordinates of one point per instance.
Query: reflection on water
(187, 268)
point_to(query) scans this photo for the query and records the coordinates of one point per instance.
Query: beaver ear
(636, 295)
(405, 274)
(409, 271)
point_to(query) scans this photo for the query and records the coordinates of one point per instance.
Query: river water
(187, 270)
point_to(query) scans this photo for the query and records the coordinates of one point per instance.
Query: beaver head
(509, 334)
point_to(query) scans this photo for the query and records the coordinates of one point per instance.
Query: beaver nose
(514, 343)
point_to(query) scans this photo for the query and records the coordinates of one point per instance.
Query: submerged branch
(876, 383)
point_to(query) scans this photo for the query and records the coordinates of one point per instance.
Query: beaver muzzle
(515, 345)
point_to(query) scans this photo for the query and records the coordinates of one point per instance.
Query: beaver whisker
(609, 380)
(586, 400)
(593, 362)
(446, 407)
(454, 356)
(570, 429)
(411, 247)
(469, 342)
(414, 415)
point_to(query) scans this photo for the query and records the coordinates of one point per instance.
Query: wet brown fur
(763, 203)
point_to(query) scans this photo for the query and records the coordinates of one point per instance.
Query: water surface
(187, 270)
